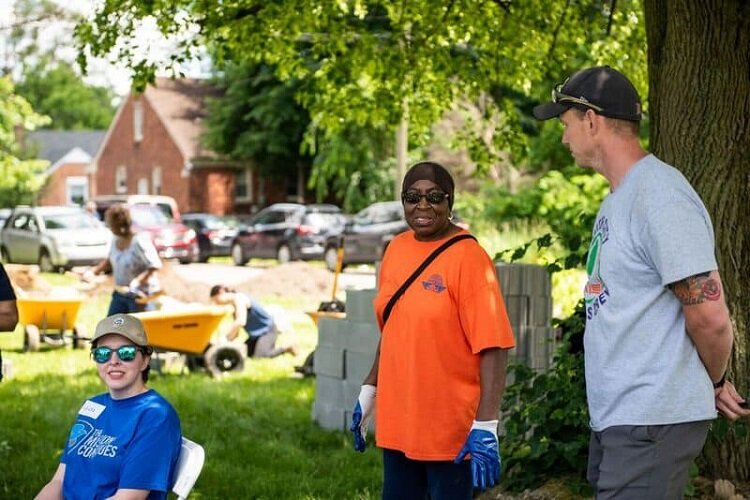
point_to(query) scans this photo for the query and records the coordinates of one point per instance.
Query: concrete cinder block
(362, 337)
(523, 279)
(329, 417)
(330, 391)
(359, 307)
(540, 310)
(329, 361)
(332, 332)
(539, 347)
(358, 365)
(518, 309)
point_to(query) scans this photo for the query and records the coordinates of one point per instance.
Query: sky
(101, 72)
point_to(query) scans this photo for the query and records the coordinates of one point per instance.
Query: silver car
(56, 238)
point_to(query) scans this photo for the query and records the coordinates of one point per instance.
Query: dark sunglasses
(559, 97)
(433, 197)
(126, 353)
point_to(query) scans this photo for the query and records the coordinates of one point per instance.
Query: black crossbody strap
(415, 274)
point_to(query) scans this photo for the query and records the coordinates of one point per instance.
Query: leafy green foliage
(257, 120)
(369, 64)
(20, 179)
(562, 202)
(58, 92)
(545, 417)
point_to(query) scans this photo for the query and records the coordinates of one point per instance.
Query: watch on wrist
(721, 381)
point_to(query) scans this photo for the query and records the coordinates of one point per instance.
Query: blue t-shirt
(128, 443)
(259, 321)
(642, 368)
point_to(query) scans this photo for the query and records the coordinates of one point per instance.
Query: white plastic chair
(189, 466)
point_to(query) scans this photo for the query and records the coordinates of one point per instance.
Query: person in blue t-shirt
(125, 443)
(260, 326)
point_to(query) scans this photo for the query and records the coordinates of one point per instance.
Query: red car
(173, 240)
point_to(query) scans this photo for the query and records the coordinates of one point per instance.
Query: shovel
(335, 305)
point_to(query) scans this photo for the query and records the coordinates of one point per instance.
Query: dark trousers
(122, 303)
(644, 462)
(407, 479)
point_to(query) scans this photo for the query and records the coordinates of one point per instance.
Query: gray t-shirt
(133, 260)
(641, 366)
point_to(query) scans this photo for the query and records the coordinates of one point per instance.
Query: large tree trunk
(699, 109)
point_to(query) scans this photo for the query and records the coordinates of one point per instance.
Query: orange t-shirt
(428, 376)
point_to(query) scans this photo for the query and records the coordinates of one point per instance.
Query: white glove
(135, 286)
(363, 410)
(88, 276)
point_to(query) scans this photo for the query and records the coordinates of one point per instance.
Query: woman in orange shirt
(439, 372)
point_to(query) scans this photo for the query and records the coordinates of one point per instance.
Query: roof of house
(181, 106)
(76, 146)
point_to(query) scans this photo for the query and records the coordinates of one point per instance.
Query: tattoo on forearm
(697, 289)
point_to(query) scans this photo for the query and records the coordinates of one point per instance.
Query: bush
(545, 417)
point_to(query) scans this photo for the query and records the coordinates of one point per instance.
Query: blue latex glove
(482, 444)
(363, 410)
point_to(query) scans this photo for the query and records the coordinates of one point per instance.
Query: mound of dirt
(294, 278)
(299, 279)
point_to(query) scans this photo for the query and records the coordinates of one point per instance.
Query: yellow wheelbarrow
(51, 320)
(189, 332)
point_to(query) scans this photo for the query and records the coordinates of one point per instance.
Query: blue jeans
(122, 303)
(407, 479)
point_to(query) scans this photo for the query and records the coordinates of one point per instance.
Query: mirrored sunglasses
(126, 353)
(559, 97)
(433, 197)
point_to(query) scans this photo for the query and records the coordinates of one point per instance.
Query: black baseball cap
(601, 88)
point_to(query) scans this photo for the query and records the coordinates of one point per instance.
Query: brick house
(69, 154)
(153, 146)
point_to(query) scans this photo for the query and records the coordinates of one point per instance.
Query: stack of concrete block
(343, 357)
(346, 346)
(527, 292)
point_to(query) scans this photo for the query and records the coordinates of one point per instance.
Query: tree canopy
(19, 179)
(58, 92)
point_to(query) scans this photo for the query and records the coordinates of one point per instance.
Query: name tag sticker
(91, 409)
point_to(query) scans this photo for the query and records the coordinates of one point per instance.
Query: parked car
(4, 214)
(173, 240)
(214, 234)
(287, 231)
(166, 204)
(53, 237)
(367, 234)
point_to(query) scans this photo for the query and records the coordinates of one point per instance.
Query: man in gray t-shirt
(658, 333)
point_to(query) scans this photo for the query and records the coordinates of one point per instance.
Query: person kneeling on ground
(259, 324)
(126, 442)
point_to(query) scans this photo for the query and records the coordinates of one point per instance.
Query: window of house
(142, 186)
(243, 185)
(137, 121)
(76, 190)
(121, 179)
(156, 180)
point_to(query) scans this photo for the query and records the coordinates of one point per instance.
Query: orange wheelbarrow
(189, 332)
(49, 320)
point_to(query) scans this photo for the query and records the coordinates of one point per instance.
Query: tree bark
(699, 114)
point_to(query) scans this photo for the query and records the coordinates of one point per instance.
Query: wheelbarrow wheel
(79, 333)
(31, 338)
(224, 358)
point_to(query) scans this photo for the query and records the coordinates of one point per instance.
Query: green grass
(255, 426)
